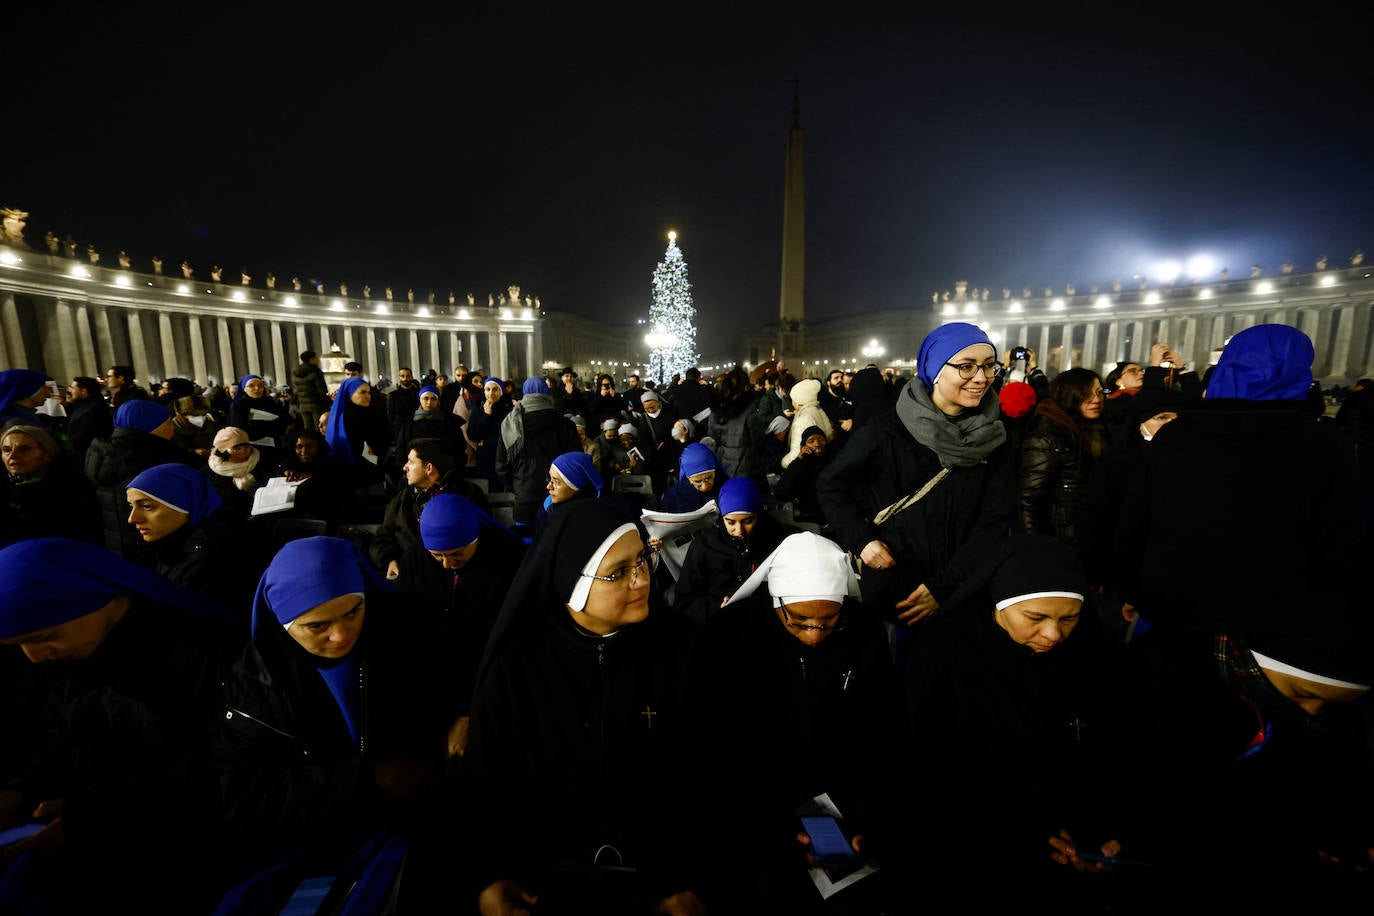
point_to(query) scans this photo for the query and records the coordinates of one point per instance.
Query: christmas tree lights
(672, 336)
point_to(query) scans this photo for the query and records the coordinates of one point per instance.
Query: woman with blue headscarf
(722, 557)
(699, 479)
(357, 433)
(923, 493)
(428, 421)
(263, 417)
(177, 510)
(22, 392)
(484, 430)
(112, 750)
(1250, 458)
(331, 725)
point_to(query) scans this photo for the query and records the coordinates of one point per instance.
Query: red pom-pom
(1018, 399)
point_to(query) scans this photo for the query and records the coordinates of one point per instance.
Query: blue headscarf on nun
(579, 471)
(335, 430)
(15, 385)
(1268, 362)
(50, 581)
(940, 345)
(179, 487)
(696, 459)
(449, 521)
(145, 416)
(304, 574)
(243, 386)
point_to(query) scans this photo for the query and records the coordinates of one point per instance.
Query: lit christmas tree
(672, 336)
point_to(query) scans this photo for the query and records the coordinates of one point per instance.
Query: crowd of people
(1093, 641)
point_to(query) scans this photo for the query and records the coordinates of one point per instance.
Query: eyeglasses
(556, 481)
(792, 624)
(969, 370)
(629, 574)
(1097, 393)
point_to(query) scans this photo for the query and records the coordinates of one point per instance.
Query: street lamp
(873, 350)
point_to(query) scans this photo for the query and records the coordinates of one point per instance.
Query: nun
(572, 475)
(111, 763)
(720, 558)
(175, 509)
(796, 689)
(331, 727)
(924, 493)
(699, 479)
(468, 565)
(1007, 702)
(573, 788)
(358, 434)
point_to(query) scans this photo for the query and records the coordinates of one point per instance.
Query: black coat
(716, 565)
(291, 777)
(1282, 492)
(87, 420)
(739, 431)
(1056, 462)
(940, 540)
(578, 741)
(62, 503)
(525, 468)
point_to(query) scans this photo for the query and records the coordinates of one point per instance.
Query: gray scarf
(960, 443)
(513, 426)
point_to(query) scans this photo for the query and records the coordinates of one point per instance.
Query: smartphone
(828, 842)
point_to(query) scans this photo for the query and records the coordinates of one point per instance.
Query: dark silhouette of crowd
(557, 645)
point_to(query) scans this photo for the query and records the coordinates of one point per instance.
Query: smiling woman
(584, 664)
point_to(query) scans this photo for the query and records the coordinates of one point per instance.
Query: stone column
(455, 352)
(371, 367)
(1113, 348)
(1090, 357)
(504, 354)
(434, 352)
(532, 355)
(13, 350)
(324, 339)
(88, 358)
(250, 350)
(104, 341)
(413, 341)
(1186, 332)
(138, 349)
(198, 367)
(393, 355)
(170, 365)
(1066, 350)
(302, 344)
(1042, 346)
(1319, 322)
(226, 352)
(279, 367)
(60, 356)
(473, 355)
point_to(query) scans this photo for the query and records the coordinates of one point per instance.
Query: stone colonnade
(68, 336)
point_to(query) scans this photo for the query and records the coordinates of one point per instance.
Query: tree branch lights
(672, 333)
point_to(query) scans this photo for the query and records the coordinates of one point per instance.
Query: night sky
(555, 151)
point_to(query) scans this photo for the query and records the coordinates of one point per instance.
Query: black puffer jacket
(739, 431)
(717, 564)
(1056, 461)
(525, 466)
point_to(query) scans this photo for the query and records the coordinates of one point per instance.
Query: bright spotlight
(1201, 266)
(1167, 271)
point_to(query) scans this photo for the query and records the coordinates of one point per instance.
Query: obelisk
(792, 302)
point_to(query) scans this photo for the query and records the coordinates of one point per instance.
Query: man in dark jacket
(311, 390)
(402, 403)
(429, 470)
(88, 416)
(120, 380)
(532, 435)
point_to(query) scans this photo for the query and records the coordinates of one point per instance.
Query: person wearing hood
(807, 413)
(332, 727)
(142, 438)
(255, 411)
(42, 490)
(119, 781)
(797, 484)
(484, 430)
(357, 433)
(794, 686)
(922, 494)
(198, 545)
(427, 421)
(574, 789)
(722, 557)
(699, 479)
(462, 573)
(1006, 679)
(572, 475)
(532, 435)
(22, 392)
(1251, 456)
